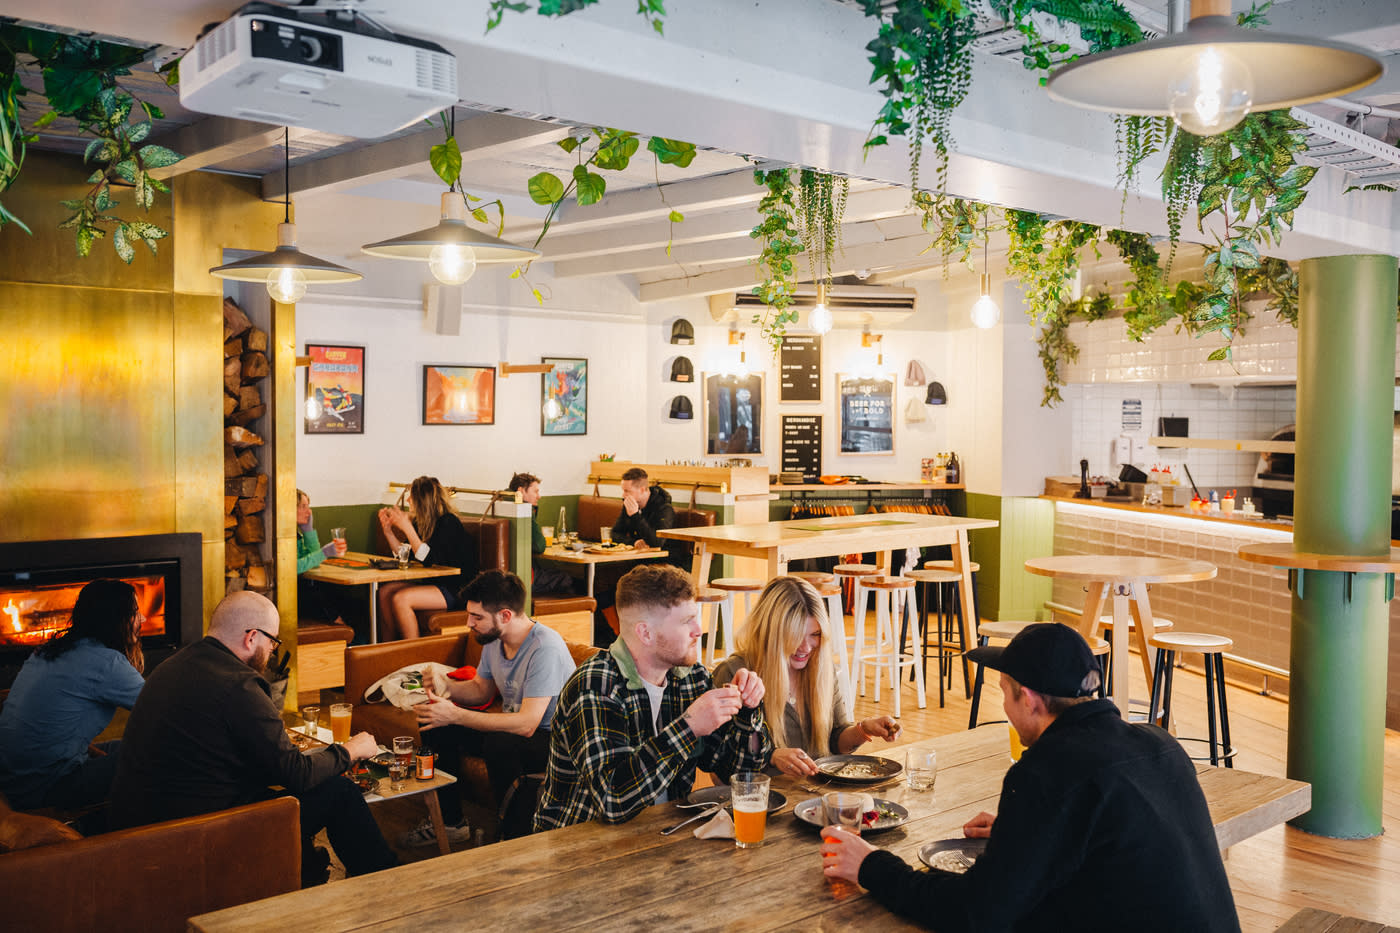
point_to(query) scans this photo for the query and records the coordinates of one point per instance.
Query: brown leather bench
(597, 512)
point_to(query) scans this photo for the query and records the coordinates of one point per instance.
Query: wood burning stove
(40, 582)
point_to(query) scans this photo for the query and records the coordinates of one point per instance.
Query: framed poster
(459, 394)
(866, 410)
(800, 368)
(567, 387)
(802, 446)
(335, 390)
(733, 414)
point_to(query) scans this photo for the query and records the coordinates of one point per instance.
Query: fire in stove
(34, 614)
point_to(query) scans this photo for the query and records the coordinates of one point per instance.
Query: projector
(332, 72)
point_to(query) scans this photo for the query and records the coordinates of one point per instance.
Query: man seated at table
(547, 579)
(645, 511)
(635, 721)
(1101, 825)
(526, 663)
(205, 736)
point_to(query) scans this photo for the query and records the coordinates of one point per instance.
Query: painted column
(1346, 371)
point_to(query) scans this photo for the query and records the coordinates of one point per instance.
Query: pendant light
(985, 312)
(819, 318)
(286, 271)
(1215, 73)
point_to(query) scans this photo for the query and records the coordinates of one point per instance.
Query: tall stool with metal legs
(1105, 629)
(949, 603)
(890, 596)
(933, 582)
(1211, 648)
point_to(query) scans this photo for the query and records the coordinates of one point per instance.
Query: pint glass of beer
(340, 722)
(749, 794)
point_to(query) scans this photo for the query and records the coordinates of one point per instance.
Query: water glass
(403, 761)
(920, 768)
(338, 535)
(403, 552)
(605, 534)
(749, 795)
(845, 810)
(311, 716)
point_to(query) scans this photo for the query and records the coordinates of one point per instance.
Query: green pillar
(1340, 620)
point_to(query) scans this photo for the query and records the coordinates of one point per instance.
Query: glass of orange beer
(749, 795)
(340, 722)
(1016, 747)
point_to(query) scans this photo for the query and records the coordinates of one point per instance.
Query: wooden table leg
(777, 567)
(1121, 615)
(1142, 619)
(374, 612)
(962, 564)
(592, 574)
(700, 565)
(439, 828)
(1093, 609)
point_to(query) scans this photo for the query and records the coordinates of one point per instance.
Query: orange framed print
(459, 394)
(335, 390)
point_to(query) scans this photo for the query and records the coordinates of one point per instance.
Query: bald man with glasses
(205, 736)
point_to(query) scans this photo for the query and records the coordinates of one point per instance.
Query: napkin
(720, 827)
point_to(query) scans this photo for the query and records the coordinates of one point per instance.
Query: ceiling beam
(215, 140)
(488, 136)
(711, 193)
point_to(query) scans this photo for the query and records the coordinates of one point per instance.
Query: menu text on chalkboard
(802, 446)
(800, 368)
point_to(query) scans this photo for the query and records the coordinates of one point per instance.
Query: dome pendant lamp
(286, 271)
(985, 312)
(1215, 73)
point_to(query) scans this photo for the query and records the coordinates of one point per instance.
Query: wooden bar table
(1126, 578)
(591, 559)
(596, 877)
(356, 569)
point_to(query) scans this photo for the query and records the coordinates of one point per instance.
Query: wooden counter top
(1127, 505)
(839, 487)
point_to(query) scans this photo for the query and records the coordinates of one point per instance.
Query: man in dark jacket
(1101, 825)
(645, 511)
(205, 736)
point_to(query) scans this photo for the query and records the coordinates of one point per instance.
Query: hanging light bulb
(452, 263)
(985, 312)
(313, 408)
(552, 409)
(1210, 92)
(819, 319)
(286, 285)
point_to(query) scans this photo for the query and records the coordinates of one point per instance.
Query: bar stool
(891, 594)
(949, 593)
(1105, 629)
(710, 601)
(729, 586)
(929, 580)
(831, 592)
(1211, 648)
(1009, 630)
(851, 575)
(814, 577)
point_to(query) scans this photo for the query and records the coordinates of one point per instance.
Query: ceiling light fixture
(1215, 73)
(985, 312)
(819, 319)
(286, 271)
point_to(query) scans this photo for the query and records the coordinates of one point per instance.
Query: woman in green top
(785, 642)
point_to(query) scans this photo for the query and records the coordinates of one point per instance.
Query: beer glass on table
(338, 538)
(403, 761)
(605, 534)
(340, 722)
(748, 793)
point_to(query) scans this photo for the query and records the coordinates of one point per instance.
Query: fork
(962, 859)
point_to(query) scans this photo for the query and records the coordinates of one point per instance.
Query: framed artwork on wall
(335, 390)
(564, 397)
(866, 410)
(733, 414)
(459, 394)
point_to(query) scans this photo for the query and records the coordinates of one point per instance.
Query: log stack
(246, 368)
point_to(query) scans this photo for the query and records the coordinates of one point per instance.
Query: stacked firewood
(246, 368)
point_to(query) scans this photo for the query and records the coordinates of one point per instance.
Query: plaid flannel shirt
(606, 759)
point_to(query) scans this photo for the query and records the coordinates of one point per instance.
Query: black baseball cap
(681, 408)
(682, 370)
(1047, 657)
(682, 332)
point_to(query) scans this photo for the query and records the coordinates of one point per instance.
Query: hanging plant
(81, 83)
(653, 11)
(1043, 256)
(1147, 304)
(957, 226)
(779, 233)
(1055, 346)
(821, 204)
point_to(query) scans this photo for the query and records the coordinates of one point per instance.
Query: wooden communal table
(596, 877)
(1126, 578)
(882, 532)
(591, 561)
(329, 572)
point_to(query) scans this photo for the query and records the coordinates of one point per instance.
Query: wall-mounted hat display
(914, 374)
(936, 394)
(914, 412)
(682, 332)
(682, 370)
(681, 409)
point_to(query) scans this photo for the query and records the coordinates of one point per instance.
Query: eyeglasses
(276, 642)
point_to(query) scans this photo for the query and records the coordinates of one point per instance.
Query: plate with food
(720, 794)
(880, 814)
(858, 769)
(304, 742)
(615, 548)
(952, 855)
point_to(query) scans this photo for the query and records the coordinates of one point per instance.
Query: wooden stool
(850, 575)
(729, 586)
(972, 565)
(710, 601)
(814, 577)
(944, 582)
(888, 592)
(1106, 630)
(1211, 648)
(831, 592)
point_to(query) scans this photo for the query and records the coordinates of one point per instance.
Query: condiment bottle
(423, 763)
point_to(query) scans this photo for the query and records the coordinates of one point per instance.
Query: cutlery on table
(704, 814)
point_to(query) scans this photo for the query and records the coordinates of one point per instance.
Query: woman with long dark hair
(65, 695)
(434, 535)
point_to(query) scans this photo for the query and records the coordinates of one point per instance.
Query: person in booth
(65, 695)
(1102, 824)
(787, 642)
(435, 535)
(635, 721)
(546, 579)
(647, 509)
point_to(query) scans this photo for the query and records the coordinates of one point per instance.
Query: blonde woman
(435, 535)
(785, 643)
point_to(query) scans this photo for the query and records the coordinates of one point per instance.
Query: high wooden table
(1126, 578)
(597, 877)
(591, 561)
(341, 575)
(776, 543)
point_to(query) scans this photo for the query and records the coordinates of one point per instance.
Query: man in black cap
(1101, 824)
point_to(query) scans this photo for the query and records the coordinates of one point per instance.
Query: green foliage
(1043, 256)
(821, 204)
(957, 226)
(1147, 304)
(778, 230)
(80, 82)
(1103, 24)
(922, 56)
(446, 161)
(653, 11)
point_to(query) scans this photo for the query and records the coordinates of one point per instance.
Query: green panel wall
(1026, 529)
(359, 522)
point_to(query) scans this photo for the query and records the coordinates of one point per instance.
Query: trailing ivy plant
(821, 205)
(779, 232)
(446, 161)
(81, 82)
(653, 11)
(1043, 256)
(958, 226)
(1056, 347)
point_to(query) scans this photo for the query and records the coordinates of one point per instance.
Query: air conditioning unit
(331, 72)
(850, 305)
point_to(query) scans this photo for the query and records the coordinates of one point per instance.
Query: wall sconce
(875, 343)
(739, 367)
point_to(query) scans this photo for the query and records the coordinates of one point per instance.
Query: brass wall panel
(199, 429)
(49, 256)
(214, 212)
(286, 419)
(87, 412)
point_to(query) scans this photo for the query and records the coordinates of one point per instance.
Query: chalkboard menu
(802, 446)
(800, 368)
(866, 410)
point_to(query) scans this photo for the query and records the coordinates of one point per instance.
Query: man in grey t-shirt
(523, 662)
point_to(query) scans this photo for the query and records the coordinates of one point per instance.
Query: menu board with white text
(802, 446)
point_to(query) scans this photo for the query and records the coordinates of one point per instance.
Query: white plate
(938, 854)
(810, 812)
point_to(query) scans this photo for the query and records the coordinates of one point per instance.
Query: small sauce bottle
(423, 763)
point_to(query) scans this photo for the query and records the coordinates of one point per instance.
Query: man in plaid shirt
(635, 721)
